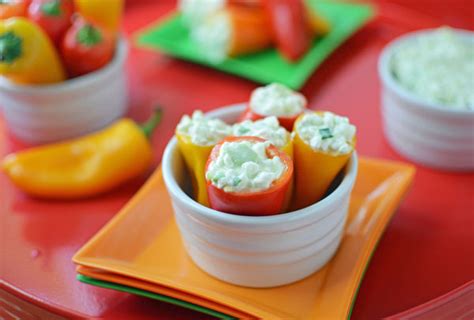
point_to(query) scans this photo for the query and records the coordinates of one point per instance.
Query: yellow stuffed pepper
(27, 55)
(197, 136)
(323, 144)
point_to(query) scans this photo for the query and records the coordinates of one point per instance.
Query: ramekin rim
(388, 80)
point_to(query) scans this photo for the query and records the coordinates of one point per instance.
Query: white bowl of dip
(424, 131)
(49, 113)
(257, 251)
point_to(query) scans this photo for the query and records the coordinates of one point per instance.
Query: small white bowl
(263, 251)
(423, 131)
(41, 114)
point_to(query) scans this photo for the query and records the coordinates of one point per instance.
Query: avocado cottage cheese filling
(244, 166)
(277, 100)
(267, 128)
(213, 36)
(438, 67)
(327, 132)
(203, 131)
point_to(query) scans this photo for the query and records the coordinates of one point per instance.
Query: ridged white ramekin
(426, 133)
(41, 114)
(257, 251)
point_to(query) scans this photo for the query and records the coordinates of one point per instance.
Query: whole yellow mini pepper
(26, 53)
(86, 166)
(106, 13)
(195, 157)
(315, 170)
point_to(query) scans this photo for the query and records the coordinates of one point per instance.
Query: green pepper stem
(11, 47)
(89, 36)
(149, 126)
(52, 8)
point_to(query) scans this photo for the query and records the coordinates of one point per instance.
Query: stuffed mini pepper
(197, 135)
(268, 129)
(323, 143)
(275, 100)
(248, 176)
(232, 31)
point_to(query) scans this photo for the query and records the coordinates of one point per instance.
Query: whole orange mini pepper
(86, 166)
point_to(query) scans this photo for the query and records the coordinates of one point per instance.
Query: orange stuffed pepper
(323, 144)
(232, 31)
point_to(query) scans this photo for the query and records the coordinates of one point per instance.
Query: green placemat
(172, 37)
(152, 295)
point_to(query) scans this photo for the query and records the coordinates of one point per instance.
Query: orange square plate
(141, 247)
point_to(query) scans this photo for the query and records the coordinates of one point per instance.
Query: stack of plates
(140, 251)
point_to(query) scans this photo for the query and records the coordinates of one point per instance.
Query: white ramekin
(254, 251)
(425, 132)
(40, 114)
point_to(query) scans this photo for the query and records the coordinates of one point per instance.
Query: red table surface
(426, 251)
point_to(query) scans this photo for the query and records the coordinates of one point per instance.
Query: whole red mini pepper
(54, 16)
(86, 47)
(290, 27)
(273, 200)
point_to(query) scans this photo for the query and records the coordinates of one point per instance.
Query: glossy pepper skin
(54, 16)
(260, 203)
(13, 8)
(250, 30)
(314, 171)
(294, 26)
(291, 31)
(27, 55)
(286, 122)
(105, 13)
(86, 48)
(195, 157)
(83, 167)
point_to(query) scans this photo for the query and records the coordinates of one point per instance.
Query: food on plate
(86, 48)
(27, 55)
(196, 136)
(232, 31)
(105, 13)
(86, 166)
(228, 28)
(293, 26)
(13, 8)
(267, 128)
(276, 100)
(438, 67)
(323, 143)
(54, 16)
(248, 176)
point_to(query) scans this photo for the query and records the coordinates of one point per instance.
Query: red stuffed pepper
(249, 176)
(275, 100)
